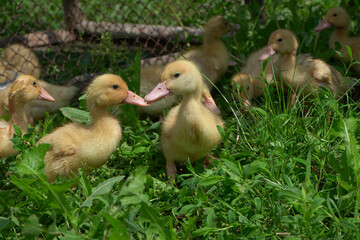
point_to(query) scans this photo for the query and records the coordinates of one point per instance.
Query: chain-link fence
(73, 37)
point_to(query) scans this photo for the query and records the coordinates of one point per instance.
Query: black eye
(34, 84)
(176, 75)
(225, 23)
(279, 39)
(248, 87)
(335, 14)
(115, 86)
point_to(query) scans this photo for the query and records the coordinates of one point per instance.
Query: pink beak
(44, 95)
(246, 103)
(323, 25)
(157, 93)
(135, 99)
(268, 52)
(211, 105)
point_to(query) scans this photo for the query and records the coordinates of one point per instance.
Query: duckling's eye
(335, 14)
(115, 86)
(176, 75)
(34, 84)
(225, 23)
(248, 88)
(279, 39)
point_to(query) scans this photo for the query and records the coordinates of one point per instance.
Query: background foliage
(281, 174)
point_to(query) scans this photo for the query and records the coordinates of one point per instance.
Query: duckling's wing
(327, 76)
(354, 43)
(64, 142)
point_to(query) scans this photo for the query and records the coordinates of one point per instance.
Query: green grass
(281, 173)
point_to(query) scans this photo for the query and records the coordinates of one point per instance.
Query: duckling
(190, 128)
(22, 60)
(26, 88)
(76, 145)
(250, 78)
(212, 57)
(35, 109)
(19, 59)
(305, 75)
(338, 18)
(150, 77)
(247, 88)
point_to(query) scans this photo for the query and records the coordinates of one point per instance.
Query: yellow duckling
(250, 79)
(150, 78)
(19, 59)
(305, 75)
(35, 109)
(76, 145)
(338, 18)
(212, 57)
(25, 89)
(249, 87)
(189, 129)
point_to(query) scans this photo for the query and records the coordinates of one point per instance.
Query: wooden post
(74, 17)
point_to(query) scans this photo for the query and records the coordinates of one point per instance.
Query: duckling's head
(179, 77)
(335, 17)
(246, 88)
(218, 26)
(282, 41)
(26, 88)
(110, 90)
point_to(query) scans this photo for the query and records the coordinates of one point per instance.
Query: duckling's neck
(17, 114)
(340, 33)
(99, 115)
(210, 38)
(288, 60)
(191, 98)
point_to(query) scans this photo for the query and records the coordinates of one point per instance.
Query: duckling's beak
(246, 103)
(268, 52)
(44, 95)
(324, 24)
(135, 99)
(233, 28)
(211, 105)
(157, 93)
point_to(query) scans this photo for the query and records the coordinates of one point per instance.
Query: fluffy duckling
(304, 75)
(212, 57)
(76, 145)
(20, 59)
(249, 87)
(35, 109)
(26, 88)
(189, 129)
(338, 18)
(150, 78)
(250, 79)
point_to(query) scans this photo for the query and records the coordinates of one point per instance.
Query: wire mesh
(72, 38)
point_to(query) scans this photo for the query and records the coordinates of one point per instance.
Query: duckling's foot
(207, 161)
(292, 100)
(30, 120)
(171, 172)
